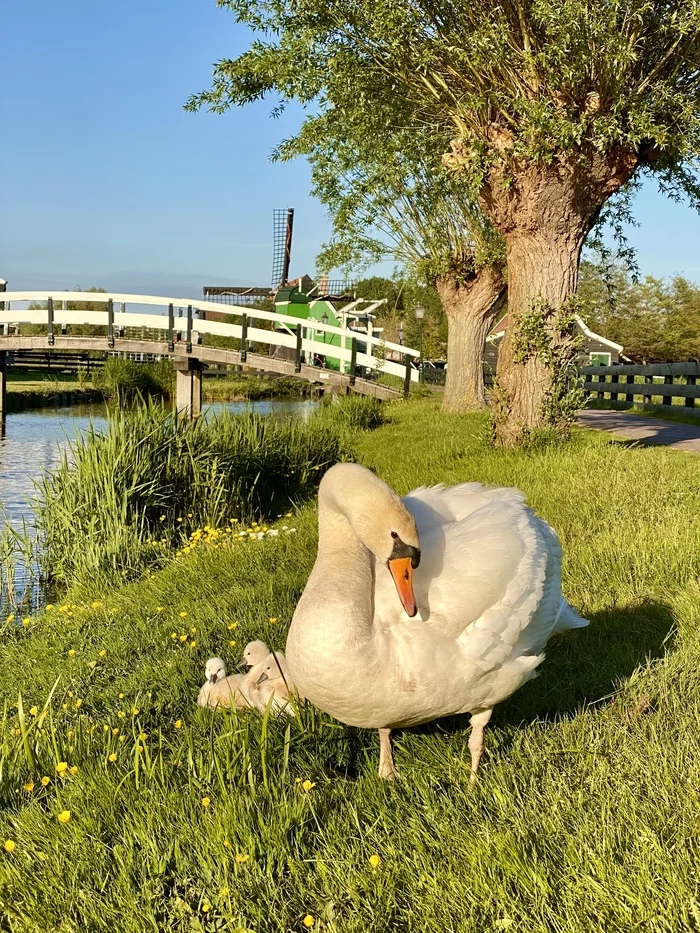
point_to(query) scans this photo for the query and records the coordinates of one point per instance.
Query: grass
(586, 813)
(235, 387)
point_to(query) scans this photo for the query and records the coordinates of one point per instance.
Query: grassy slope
(586, 813)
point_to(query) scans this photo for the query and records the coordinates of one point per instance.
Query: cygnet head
(379, 519)
(255, 652)
(274, 668)
(215, 669)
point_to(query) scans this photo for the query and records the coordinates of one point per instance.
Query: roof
(499, 330)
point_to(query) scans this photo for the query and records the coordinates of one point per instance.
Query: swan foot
(479, 719)
(387, 771)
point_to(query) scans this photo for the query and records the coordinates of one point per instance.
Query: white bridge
(182, 326)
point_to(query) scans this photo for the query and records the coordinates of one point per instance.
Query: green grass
(240, 387)
(586, 813)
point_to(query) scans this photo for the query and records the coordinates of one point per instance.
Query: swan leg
(476, 738)
(386, 758)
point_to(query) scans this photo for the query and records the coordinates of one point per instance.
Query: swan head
(274, 668)
(380, 520)
(215, 669)
(254, 652)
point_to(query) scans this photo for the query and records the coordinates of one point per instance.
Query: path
(646, 430)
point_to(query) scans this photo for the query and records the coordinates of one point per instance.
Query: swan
(433, 605)
(274, 682)
(236, 689)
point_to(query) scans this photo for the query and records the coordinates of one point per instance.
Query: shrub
(358, 412)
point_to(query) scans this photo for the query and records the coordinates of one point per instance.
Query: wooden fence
(658, 386)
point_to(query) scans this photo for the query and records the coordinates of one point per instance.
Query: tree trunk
(544, 213)
(472, 307)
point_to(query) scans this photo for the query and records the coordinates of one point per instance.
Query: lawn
(586, 813)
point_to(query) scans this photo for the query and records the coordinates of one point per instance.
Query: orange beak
(402, 572)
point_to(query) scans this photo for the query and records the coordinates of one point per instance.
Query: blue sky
(106, 181)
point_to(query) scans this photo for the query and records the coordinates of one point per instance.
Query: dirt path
(647, 430)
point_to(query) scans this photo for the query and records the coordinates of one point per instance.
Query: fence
(671, 386)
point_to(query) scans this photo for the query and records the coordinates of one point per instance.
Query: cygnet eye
(394, 534)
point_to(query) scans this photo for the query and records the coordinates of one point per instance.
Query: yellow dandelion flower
(78, 704)
(173, 635)
(11, 617)
(112, 757)
(122, 738)
(74, 769)
(28, 787)
(70, 733)
(102, 653)
(71, 652)
(135, 710)
(179, 519)
(206, 907)
(232, 626)
(61, 767)
(49, 607)
(183, 637)
(189, 515)
(105, 727)
(26, 621)
(178, 724)
(272, 620)
(232, 644)
(143, 736)
(70, 693)
(45, 781)
(223, 892)
(205, 801)
(193, 630)
(309, 921)
(193, 644)
(162, 518)
(63, 816)
(241, 856)
(308, 785)
(375, 861)
(227, 843)
(160, 608)
(121, 714)
(9, 846)
(182, 614)
(33, 711)
(139, 748)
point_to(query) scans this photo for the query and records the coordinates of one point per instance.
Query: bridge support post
(3, 389)
(407, 376)
(188, 386)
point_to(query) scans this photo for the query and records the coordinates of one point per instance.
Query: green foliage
(353, 412)
(239, 386)
(121, 499)
(654, 320)
(128, 378)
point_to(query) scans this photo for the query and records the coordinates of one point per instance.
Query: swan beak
(262, 678)
(213, 678)
(402, 571)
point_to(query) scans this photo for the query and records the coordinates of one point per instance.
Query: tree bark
(544, 212)
(472, 307)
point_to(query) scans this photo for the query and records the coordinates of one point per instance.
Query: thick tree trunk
(472, 307)
(544, 214)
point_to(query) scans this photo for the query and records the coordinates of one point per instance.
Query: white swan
(463, 633)
(237, 689)
(275, 682)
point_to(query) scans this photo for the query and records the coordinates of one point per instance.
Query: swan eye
(394, 535)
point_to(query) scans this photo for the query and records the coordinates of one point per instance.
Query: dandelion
(74, 768)
(223, 892)
(105, 727)
(9, 846)
(160, 608)
(28, 787)
(182, 614)
(178, 724)
(46, 780)
(308, 785)
(112, 757)
(26, 621)
(183, 637)
(193, 644)
(143, 736)
(71, 652)
(232, 626)
(63, 816)
(206, 801)
(121, 696)
(135, 710)
(206, 907)
(173, 635)
(61, 767)
(102, 653)
(11, 617)
(375, 861)
(78, 704)
(70, 693)
(232, 644)
(122, 738)
(49, 607)
(121, 714)
(241, 857)
(96, 603)
(162, 518)
(309, 921)
(272, 620)
(34, 710)
(193, 630)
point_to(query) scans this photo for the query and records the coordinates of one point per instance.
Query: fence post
(630, 381)
(407, 376)
(244, 338)
(297, 365)
(171, 327)
(613, 394)
(602, 377)
(690, 400)
(110, 322)
(188, 337)
(649, 380)
(353, 360)
(666, 399)
(49, 330)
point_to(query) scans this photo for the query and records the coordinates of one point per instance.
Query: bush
(121, 378)
(355, 412)
(122, 500)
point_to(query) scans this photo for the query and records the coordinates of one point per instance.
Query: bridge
(178, 328)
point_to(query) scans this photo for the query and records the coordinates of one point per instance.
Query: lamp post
(401, 333)
(419, 312)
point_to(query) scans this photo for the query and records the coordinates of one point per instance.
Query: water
(34, 440)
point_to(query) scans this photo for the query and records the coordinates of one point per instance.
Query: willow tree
(390, 197)
(553, 106)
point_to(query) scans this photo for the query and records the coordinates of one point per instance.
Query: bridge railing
(164, 317)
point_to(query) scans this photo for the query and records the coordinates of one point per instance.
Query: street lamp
(401, 334)
(419, 312)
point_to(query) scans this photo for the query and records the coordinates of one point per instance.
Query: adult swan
(465, 631)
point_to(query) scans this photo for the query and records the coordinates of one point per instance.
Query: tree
(553, 106)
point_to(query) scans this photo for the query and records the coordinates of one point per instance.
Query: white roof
(582, 325)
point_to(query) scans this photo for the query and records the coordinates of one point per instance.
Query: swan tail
(567, 618)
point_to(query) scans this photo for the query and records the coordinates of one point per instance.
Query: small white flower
(285, 527)
(261, 535)
(274, 532)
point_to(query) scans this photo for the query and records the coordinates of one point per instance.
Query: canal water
(34, 439)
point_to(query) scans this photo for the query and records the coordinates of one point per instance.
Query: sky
(108, 182)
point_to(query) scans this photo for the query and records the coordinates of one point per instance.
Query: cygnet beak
(213, 678)
(401, 569)
(262, 678)
(242, 664)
